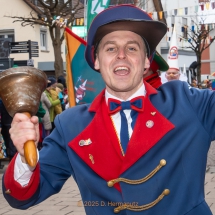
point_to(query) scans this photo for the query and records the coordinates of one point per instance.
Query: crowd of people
(53, 102)
(205, 84)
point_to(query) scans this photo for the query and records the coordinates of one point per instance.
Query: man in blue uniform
(135, 149)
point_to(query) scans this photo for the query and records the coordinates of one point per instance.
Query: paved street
(68, 201)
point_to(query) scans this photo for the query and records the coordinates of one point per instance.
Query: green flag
(93, 8)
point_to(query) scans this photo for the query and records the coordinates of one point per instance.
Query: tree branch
(30, 21)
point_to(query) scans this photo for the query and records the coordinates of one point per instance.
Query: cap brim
(163, 66)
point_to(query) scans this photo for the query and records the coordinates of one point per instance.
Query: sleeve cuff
(22, 171)
(16, 190)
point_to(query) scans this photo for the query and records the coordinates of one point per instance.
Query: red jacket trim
(16, 190)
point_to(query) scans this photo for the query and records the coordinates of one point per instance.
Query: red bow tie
(115, 105)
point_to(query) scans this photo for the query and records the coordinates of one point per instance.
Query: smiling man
(172, 74)
(129, 151)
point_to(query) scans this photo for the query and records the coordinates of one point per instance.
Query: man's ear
(96, 63)
(147, 63)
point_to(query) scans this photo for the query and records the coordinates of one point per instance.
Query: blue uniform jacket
(162, 172)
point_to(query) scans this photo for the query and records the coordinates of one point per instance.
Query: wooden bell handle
(30, 151)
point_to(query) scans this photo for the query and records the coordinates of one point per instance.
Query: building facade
(14, 31)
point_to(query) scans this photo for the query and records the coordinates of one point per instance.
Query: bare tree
(45, 14)
(199, 39)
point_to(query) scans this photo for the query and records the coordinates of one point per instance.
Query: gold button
(162, 162)
(8, 191)
(166, 192)
(110, 184)
(116, 210)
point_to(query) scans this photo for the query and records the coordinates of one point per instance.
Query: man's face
(172, 74)
(121, 59)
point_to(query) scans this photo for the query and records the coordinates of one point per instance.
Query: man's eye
(110, 49)
(131, 48)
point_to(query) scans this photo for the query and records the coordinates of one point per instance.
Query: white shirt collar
(140, 92)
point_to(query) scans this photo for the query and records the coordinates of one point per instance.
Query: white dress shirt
(23, 172)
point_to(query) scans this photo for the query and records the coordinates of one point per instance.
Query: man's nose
(121, 54)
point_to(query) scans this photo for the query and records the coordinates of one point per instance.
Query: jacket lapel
(103, 155)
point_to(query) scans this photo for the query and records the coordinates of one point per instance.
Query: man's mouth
(121, 70)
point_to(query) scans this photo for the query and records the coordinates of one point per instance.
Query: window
(6, 36)
(43, 39)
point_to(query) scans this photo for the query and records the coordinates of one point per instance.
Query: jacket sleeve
(53, 169)
(203, 104)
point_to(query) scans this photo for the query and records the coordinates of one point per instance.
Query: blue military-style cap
(128, 18)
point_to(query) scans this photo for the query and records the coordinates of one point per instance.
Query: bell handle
(30, 151)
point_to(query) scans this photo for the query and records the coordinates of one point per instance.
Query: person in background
(133, 150)
(3, 154)
(54, 90)
(172, 74)
(152, 75)
(60, 90)
(194, 83)
(62, 80)
(51, 81)
(46, 104)
(55, 109)
(6, 120)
